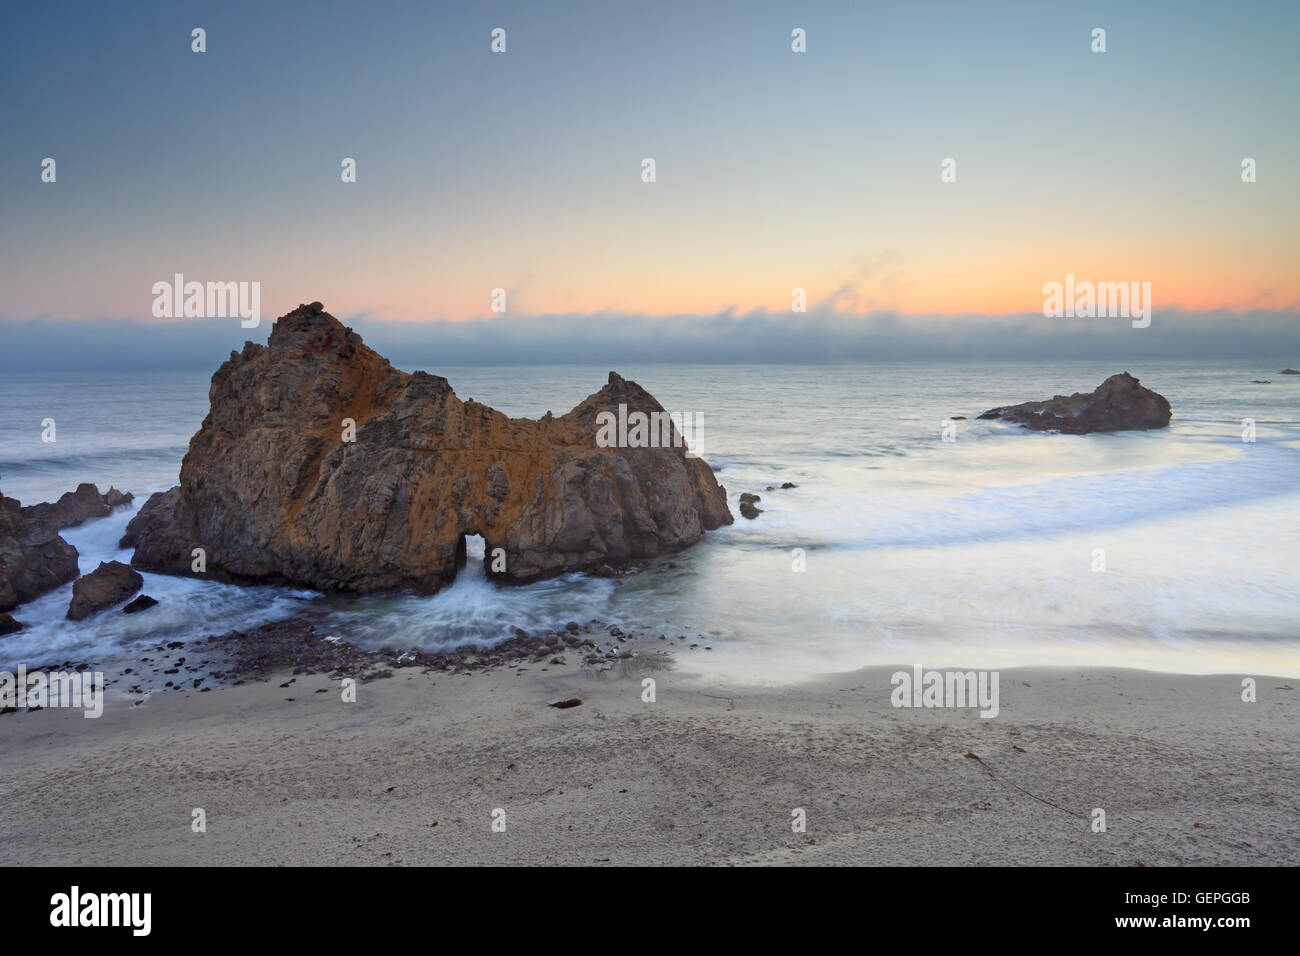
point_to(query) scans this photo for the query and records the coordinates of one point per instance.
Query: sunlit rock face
(320, 464)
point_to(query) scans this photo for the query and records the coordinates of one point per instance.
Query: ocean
(1175, 550)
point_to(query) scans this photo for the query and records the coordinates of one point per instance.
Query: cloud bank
(608, 339)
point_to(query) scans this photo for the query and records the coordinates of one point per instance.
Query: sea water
(1174, 550)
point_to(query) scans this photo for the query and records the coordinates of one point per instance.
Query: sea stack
(319, 464)
(1119, 404)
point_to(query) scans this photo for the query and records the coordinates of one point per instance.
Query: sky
(522, 170)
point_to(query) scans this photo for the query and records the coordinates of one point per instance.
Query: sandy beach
(708, 774)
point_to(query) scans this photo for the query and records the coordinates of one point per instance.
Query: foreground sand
(708, 774)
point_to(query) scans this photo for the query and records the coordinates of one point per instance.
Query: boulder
(76, 507)
(747, 509)
(33, 558)
(8, 625)
(109, 584)
(1289, 371)
(1120, 403)
(321, 465)
(142, 603)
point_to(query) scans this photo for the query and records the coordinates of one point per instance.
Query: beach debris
(566, 704)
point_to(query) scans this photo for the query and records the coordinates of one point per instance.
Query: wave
(1077, 504)
(87, 464)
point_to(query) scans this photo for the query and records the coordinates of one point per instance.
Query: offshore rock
(1120, 403)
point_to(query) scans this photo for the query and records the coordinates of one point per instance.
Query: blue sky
(520, 171)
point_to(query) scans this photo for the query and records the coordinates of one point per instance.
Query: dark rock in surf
(76, 507)
(109, 584)
(33, 558)
(142, 603)
(1119, 404)
(8, 625)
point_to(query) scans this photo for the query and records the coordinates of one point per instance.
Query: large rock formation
(1119, 403)
(272, 491)
(33, 558)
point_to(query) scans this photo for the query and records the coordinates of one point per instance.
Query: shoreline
(708, 774)
(295, 646)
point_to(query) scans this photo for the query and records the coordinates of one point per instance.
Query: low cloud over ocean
(756, 336)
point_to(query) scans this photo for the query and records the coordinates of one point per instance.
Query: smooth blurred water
(976, 552)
